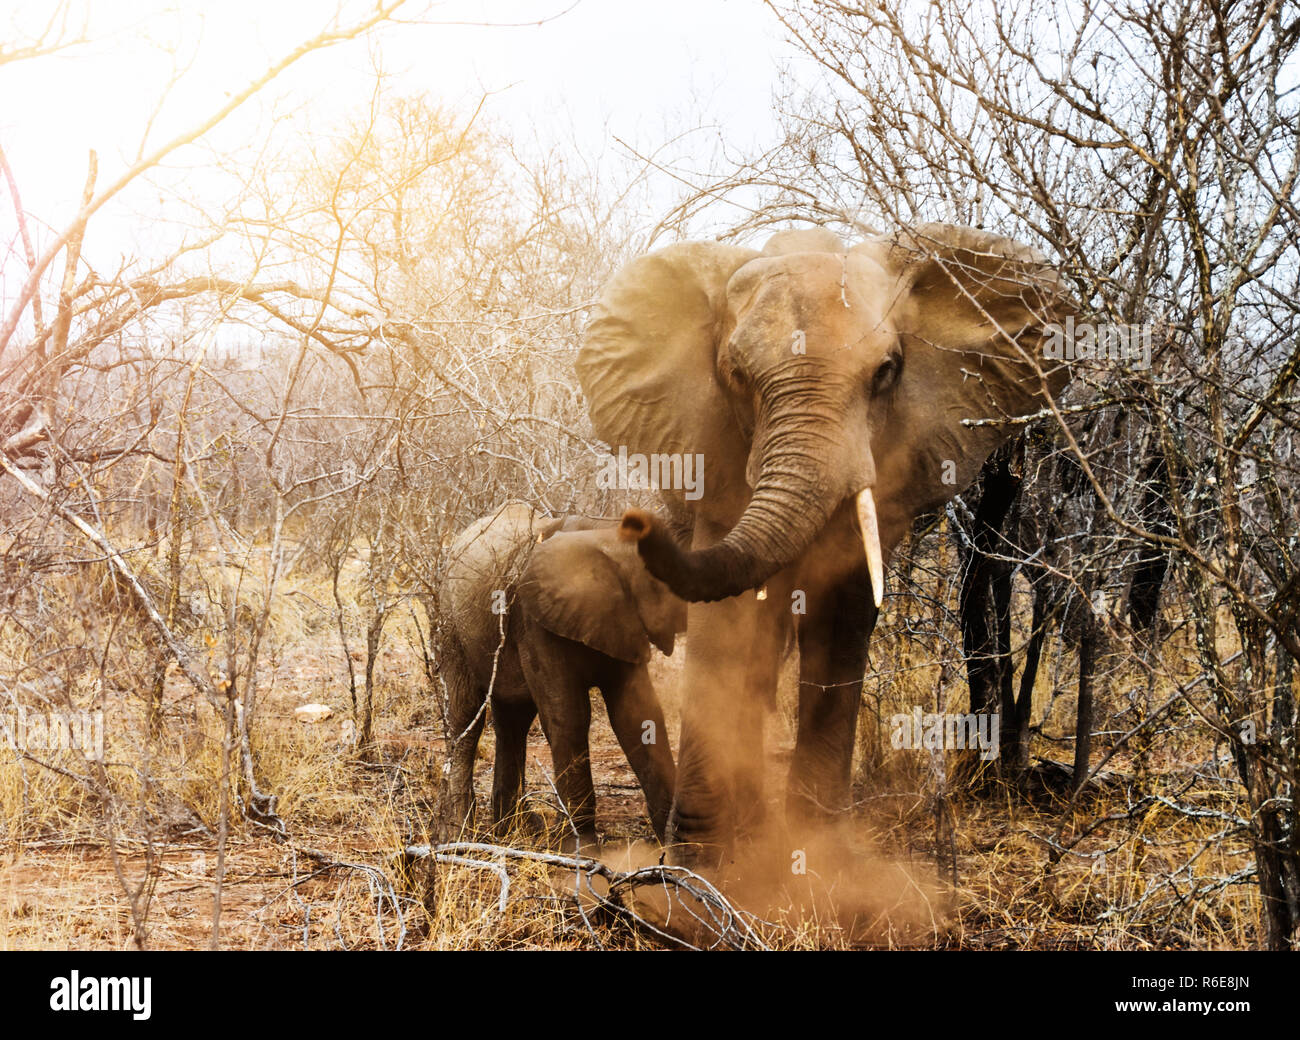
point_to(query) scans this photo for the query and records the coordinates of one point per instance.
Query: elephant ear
(576, 591)
(972, 309)
(648, 360)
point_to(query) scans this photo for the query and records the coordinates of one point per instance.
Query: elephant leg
(556, 672)
(638, 722)
(832, 661)
(721, 747)
(511, 720)
(567, 732)
(773, 620)
(465, 717)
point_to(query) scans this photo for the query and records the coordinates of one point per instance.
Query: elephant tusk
(871, 543)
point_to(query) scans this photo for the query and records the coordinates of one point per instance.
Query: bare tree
(1152, 151)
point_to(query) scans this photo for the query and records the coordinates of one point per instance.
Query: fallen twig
(724, 923)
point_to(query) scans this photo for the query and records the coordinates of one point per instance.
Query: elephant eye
(887, 374)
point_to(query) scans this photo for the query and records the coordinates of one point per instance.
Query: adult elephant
(537, 611)
(827, 389)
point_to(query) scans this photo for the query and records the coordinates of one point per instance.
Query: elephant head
(808, 375)
(592, 587)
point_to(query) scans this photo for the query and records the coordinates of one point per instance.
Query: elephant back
(484, 565)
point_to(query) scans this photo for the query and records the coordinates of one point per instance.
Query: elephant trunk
(794, 496)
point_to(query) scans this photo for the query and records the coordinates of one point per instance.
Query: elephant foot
(699, 856)
(703, 847)
(808, 825)
(451, 823)
(524, 824)
(531, 823)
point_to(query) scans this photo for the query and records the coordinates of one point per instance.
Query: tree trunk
(1084, 714)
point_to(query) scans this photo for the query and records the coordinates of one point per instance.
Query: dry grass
(76, 842)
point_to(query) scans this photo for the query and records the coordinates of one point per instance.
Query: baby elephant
(538, 611)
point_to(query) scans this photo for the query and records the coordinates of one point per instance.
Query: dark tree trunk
(1084, 714)
(365, 742)
(1277, 830)
(1001, 591)
(1277, 862)
(1152, 565)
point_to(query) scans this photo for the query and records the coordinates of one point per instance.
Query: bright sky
(596, 70)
